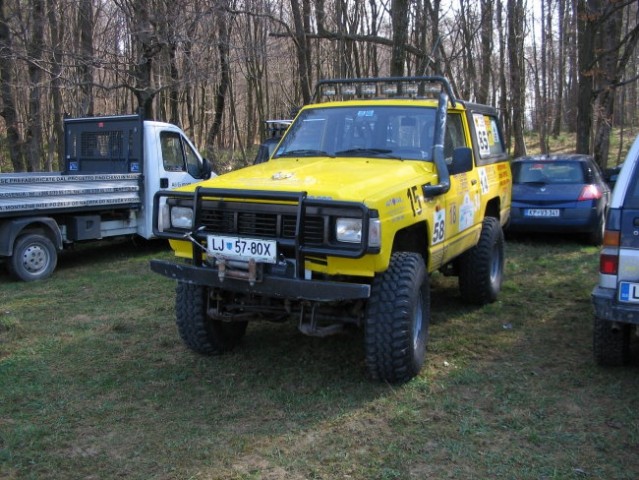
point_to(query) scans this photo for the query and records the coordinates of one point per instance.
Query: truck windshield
(404, 133)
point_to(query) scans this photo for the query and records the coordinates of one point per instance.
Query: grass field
(95, 384)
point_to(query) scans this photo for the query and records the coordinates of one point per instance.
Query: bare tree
(9, 111)
(86, 58)
(600, 74)
(35, 48)
(303, 50)
(515, 14)
(399, 20)
(223, 47)
(486, 50)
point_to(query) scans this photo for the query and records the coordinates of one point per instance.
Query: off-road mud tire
(481, 269)
(610, 346)
(397, 320)
(34, 257)
(198, 331)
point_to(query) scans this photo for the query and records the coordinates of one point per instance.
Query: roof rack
(383, 87)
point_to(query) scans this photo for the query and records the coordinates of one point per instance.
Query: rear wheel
(481, 268)
(198, 331)
(34, 257)
(397, 320)
(610, 343)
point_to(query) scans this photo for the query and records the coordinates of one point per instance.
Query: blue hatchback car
(559, 193)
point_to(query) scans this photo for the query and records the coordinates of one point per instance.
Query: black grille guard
(299, 201)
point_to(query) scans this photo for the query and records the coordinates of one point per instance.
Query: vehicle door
(172, 161)
(464, 202)
(181, 163)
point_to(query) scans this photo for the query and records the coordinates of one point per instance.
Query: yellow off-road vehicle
(374, 186)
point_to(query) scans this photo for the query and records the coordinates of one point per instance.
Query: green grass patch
(95, 383)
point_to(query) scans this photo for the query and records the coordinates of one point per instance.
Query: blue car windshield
(548, 172)
(389, 132)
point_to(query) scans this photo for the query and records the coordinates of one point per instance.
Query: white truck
(112, 168)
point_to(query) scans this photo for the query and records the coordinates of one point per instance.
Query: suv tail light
(590, 192)
(609, 257)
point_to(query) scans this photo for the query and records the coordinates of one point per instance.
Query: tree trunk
(57, 37)
(517, 81)
(223, 48)
(561, 12)
(302, 50)
(34, 120)
(399, 20)
(586, 40)
(148, 47)
(486, 50)
(85, 25)
(503, 96)
(9, 111)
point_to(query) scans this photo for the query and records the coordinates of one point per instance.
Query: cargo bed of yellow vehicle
(364, 196)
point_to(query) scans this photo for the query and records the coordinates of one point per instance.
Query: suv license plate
(629, 292)
(541, 212)
(238, 248)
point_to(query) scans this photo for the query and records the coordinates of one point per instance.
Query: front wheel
(34, 257)
(481, 269)
(198, 331)
(397, 320)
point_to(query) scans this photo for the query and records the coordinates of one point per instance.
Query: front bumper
(608, 308)
(268, 285)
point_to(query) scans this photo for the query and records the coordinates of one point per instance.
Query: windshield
(565, 172)
(404, 133)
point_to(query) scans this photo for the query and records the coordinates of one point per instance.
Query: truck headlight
(182, 217)
(348, 230)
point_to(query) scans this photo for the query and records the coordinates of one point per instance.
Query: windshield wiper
(378, 152)
(305, 153)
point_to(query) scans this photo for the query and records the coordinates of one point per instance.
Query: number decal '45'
(415, 201)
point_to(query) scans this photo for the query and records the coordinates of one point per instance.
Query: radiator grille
(263, 225)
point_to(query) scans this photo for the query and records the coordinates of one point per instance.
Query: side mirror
(206, 169)
(462, 161)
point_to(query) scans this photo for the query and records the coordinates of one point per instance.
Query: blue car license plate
(629, 292)
(541, 212)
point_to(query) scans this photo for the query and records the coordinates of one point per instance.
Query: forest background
(220, 68)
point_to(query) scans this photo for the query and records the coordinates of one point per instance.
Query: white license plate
(541, 212)
(629, 292)
(239, 248)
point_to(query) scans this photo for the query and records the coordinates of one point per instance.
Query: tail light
(590, 192)
(609, 257)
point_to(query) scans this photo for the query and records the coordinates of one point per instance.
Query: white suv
(616, 298)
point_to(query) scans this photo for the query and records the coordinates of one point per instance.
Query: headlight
(348, 230)
(182, 217)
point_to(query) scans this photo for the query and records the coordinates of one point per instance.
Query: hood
(353, 179)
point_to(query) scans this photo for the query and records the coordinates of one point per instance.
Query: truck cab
(112, 168)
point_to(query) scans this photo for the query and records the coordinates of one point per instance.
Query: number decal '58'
(439, 227)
